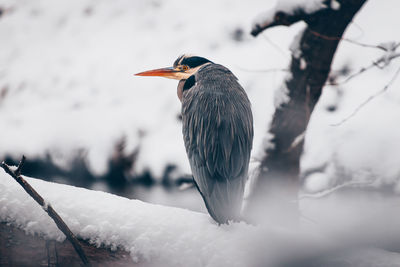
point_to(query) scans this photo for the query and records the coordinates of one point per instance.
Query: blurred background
(70, 103)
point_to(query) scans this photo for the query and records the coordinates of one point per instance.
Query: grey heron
(217, 127)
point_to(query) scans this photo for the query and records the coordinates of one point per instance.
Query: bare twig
(369, 99)
(286, 54)
(365, 45)
(20, 165)
(47, 207)
(362, 33)
(364, 69)
(336, 38)
(334, 189)
(348, 78)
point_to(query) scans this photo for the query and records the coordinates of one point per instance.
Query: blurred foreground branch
(16, 174)
(20, 249)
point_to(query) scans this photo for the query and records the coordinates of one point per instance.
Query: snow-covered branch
(46, 207)
(288, 12)
(158, 235)
(132, 231)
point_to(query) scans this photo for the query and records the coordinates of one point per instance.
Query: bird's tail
(225, 201)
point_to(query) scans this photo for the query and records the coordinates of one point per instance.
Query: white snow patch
(289, 7)
(303, 64)
(281, 96)
(309, 6)
(335, 5)
(45, 205)
(295, 45)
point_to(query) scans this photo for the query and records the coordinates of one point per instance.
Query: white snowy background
(67, 85)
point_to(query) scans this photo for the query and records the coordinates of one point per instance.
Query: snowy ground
(349, 230)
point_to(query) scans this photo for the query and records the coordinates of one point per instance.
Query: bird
(217, 128)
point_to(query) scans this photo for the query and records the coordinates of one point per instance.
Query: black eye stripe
(189, 83)
(193, 62)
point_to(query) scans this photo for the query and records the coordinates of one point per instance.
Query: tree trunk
(277, 183)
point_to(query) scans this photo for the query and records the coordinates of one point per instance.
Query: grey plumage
(217, 130)
(218, 135)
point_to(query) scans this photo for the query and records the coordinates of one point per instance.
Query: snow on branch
(46, 207)
(152, 234)
(288, 12)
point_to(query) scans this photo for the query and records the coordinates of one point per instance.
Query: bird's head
(184, 67)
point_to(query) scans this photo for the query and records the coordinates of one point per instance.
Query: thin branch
(362, 33)
(334, 189)
(276, 18)
(286, 54)
(364, 69)
(369, 99)
(365, 45)
(20, 165)
(336, 38)
(47, 207)
(348, 78)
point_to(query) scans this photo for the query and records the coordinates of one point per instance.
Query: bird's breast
(179, 90)
(185, 85)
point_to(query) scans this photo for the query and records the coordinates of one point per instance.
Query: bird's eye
(185, 67)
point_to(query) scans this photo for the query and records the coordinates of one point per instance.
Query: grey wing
(218, 133)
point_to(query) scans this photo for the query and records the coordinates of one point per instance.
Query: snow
(156, 235)
(303, 64)
(290, 7)
(66, 88)
(147, 231)
(335, 5)
(309, 6)
(365, 146)
(281, 95)
(66, 84)
(74, 82)
(66, 73)
(340, 147)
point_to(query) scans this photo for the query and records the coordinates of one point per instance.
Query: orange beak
(169, 72)
(164, 72)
